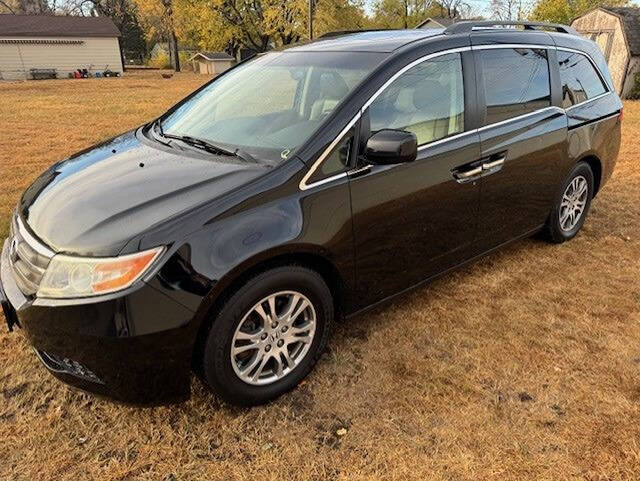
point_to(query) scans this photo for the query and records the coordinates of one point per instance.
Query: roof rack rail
(470, 26)
(338, 33)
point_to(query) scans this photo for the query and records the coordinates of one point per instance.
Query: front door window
(427, 99)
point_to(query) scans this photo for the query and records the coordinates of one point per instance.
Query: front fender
(316, 224)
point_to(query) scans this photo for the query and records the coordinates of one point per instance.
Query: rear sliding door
(523, 137)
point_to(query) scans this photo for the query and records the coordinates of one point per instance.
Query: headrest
(429, 93)
(333, 86)
(404, 100)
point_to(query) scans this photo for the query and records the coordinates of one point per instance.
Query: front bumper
(136, 348)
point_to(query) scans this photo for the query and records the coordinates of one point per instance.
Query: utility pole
(310, 19)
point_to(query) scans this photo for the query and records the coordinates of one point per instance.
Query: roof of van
(368, 41)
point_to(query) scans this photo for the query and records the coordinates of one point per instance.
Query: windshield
(272, 104)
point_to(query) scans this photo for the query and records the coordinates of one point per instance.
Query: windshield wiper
(208, 146)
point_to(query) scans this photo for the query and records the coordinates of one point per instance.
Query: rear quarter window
(580, 80)
(516, 82)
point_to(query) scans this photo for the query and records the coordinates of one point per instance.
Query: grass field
(525, 365)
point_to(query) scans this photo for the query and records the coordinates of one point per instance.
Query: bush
(160, 60)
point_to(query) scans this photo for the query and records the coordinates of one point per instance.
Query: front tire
(268, 335)
(572, 205)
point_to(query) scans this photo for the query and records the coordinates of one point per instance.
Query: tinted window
(427, 100)
(337, 161)
(579, 79)
(516, 81)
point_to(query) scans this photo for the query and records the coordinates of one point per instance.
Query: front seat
(433, 108)
(333, 89)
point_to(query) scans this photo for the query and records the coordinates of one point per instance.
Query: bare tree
(7, 7)
(30, 7)
(508, 10)
(454, 8)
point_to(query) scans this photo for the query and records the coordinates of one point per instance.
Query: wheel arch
(215, 299)
(596, 167)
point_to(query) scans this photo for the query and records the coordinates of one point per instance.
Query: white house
(33, 43)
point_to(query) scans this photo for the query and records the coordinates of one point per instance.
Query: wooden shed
(211, 63)
(617, 31)
(437, 22)
(57, 44)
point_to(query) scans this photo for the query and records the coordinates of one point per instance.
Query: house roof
(443, 21)
(631, 22)
(213, 56)
(56, 26)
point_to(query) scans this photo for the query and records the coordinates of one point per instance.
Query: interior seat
(333, 89)
(431, 117)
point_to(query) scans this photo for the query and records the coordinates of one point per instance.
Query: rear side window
(516, 82)
(579, 78)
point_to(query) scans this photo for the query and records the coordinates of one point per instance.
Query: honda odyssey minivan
(302, 186)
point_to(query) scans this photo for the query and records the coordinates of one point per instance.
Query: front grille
(27, 257)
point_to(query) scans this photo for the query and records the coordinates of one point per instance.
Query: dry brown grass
(525, 365)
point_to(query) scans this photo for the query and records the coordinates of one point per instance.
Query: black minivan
(302, 186)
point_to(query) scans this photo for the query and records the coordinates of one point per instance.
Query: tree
(256, 25)
(454, 8)
(564, 11)
(508, 10)
(28, 7)
(334, 15)
(124, 14)
(403, 13)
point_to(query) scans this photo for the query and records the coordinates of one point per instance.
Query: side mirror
(387, 147)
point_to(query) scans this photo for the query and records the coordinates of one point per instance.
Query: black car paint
(377, 232)
(125, 186)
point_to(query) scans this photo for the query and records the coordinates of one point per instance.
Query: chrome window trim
(485, 127)
(303, 183)
(597, 97)
(408, 67)
(446, 139)
(520, 117)
(593, 63)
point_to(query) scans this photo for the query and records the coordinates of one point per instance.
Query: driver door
(414, 220)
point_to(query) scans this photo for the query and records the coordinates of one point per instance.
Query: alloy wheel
(273, 337)
(574, 201)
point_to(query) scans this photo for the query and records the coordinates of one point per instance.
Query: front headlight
(68, 276)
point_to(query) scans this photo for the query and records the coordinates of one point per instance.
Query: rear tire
(572, 205)
(247, 333)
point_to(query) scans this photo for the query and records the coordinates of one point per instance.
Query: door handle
(463, 176)
(494, 162)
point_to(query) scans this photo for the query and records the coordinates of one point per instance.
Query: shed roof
(443, 21)
(630, 17)
(56, 26)
(213, 56)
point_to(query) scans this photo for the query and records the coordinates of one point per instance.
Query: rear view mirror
(387, 147)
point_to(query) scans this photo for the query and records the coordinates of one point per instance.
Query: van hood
(92, 203)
